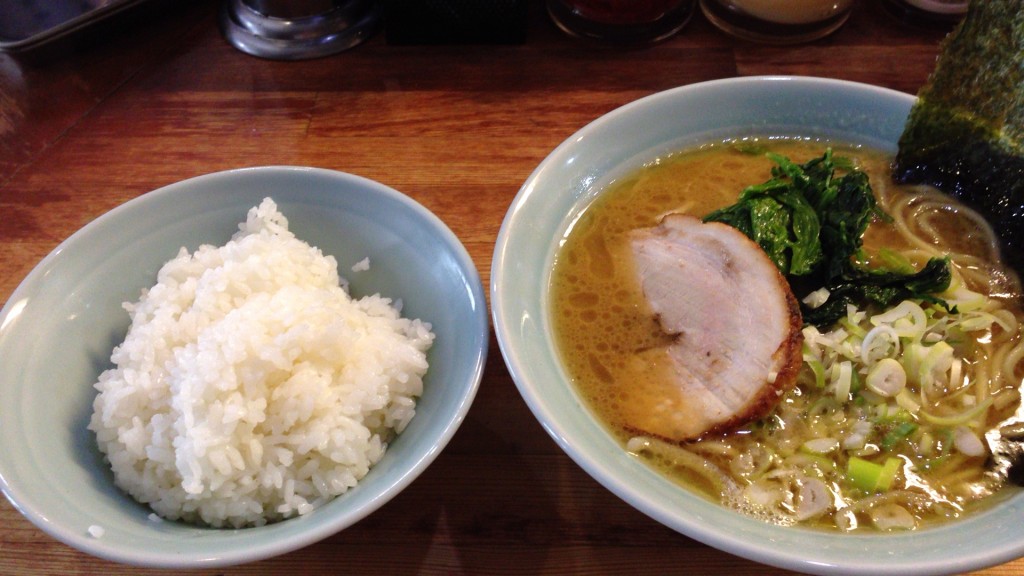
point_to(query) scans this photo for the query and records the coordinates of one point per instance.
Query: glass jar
(624, 21)
(778, 21)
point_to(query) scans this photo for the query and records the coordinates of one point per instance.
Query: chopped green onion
(887, 476)
(965, 300)
(874, 343)
(907, 318)
(842, 380)
(895, 261)
(897, 435)
(855, 382)
(888, 414)
(816, 298)
(872, 477)
(809, 462)
(935, 364)
(905, 399)
(887, 378)
(818, 369)
(974, 321)
(852, 328)
(913, 356)
(863, 473)
(926, 444)
(967, 442)
(820, 445)
(891, 516)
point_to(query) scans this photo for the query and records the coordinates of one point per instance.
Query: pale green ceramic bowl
(544, 210)
(60, 325)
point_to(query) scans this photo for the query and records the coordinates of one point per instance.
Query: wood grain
(458, 128)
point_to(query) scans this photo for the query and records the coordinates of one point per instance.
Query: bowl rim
(511, 328)
(288, 540)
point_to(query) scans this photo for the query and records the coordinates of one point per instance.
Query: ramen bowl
(59, 326)
(548, 205)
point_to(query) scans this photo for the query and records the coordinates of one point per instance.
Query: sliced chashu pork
(735, 330)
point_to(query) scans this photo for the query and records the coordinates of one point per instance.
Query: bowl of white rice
(236, 366)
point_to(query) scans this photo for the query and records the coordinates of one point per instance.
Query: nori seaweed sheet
(964, 135)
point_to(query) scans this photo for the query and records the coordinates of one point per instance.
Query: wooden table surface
(458, 128)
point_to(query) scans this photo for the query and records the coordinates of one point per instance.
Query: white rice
(361, 266)
(251, 387)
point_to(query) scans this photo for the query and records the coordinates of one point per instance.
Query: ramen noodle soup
(897, 417)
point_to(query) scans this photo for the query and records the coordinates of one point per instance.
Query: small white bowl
(59, 326)
(550, 201)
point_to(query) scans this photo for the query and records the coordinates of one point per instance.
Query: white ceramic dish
(59, 326)
(545, 208)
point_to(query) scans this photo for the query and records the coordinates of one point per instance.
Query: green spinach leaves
(810, 219)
